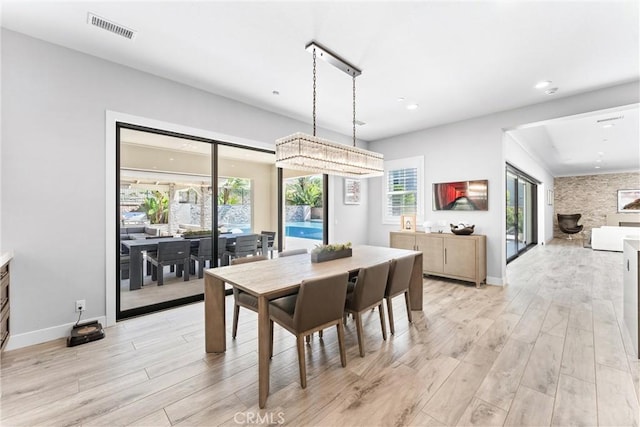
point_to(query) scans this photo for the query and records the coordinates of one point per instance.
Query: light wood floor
(548, 349)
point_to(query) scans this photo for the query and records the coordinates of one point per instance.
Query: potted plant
(322, 253)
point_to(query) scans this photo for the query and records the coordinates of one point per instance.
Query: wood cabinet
(631, 303)
(447, 255)
(5, 278)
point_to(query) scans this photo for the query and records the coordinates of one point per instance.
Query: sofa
(133, 232)
(610, 238)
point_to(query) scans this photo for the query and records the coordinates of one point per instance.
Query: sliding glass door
(521, 219)
(177, 196)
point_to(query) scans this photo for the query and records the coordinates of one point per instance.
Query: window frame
(416, 162)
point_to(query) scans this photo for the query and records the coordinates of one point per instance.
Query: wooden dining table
(277, 277)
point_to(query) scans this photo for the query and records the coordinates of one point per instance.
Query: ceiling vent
(110, 26)
(609, 119)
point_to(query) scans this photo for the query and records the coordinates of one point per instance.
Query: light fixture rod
(333, 59)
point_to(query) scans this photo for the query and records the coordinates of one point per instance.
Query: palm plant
(156, 206)
(305, 191)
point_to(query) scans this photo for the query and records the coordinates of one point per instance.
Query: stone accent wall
(593, 196)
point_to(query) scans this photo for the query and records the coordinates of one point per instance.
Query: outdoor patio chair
(170, 253)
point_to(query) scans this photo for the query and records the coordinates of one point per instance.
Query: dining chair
(367, 292)
(271, 237)
(203, 253)
(242, 298)
(243, 246)
(319, 304)
(398, 282)
(292, 252)
(170, 253)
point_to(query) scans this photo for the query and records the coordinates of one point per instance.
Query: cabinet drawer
(4, 326)
(4, 292)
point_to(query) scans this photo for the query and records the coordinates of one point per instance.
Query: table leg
(264, 341)
(214, 322)
(135, 268)
(416, 285)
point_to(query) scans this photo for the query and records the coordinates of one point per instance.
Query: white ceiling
(455, 59)
(582, 145)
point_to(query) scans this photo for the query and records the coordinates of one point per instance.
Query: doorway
(521, 208)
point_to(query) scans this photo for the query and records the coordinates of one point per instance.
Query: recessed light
(171, 159)
(599, 161)
(412, 106)
(542, 84)
(551, 91)
(600, 153)
(400, 99)
(607, 126)
(597, 167)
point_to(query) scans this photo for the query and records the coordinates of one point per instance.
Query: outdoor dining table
(277, 277)
(137, 246)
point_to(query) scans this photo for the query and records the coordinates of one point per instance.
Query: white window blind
(402, 189)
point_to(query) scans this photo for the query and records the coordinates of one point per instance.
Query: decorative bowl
(462, 231)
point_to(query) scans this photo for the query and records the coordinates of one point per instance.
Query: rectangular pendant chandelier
(308, 152)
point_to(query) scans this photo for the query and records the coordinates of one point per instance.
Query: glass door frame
(520, 175)
(137, 311)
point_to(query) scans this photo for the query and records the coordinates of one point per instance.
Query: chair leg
(271, 341)
(154, 273)
(384, 328)
(406, 301)
(160, 274)
(236, 315)
(308, 338)
(343, 353)
(185, 269)
(172, 268)
(200, 268)
(301, 362)
(392, 325)
(320, 334)
(360, 333)
(148, 268)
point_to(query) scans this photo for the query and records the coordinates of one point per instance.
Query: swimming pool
(304, 230)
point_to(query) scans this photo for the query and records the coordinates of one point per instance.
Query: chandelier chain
(354, 110)
(314, 91)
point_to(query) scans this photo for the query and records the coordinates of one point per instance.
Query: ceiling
(456, 60)
(594, 143)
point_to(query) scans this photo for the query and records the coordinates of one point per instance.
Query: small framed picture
(408, 222)
(351, 191)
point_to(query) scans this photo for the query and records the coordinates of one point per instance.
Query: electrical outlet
(81, 305)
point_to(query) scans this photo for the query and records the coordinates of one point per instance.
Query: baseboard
(43, 335)
(497, 281)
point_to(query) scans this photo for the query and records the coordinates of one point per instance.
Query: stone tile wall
(593, 196)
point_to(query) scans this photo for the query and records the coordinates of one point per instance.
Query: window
(402, 189)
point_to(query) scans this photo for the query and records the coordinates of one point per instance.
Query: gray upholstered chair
(242, 298)
(319, 304)
(170, 253)
(243, 246)
(398, 282)
(366, 293)
(292, 252)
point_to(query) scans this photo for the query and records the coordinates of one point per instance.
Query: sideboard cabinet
(447, 255)
(5, 278)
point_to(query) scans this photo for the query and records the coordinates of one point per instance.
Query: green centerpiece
(322, 253)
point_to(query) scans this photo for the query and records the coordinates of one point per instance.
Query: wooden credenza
(5, 278)
(447, 255)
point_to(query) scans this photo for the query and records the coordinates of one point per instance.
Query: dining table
(274, 278)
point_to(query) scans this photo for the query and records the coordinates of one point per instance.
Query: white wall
(474, 149)
(53, 190)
